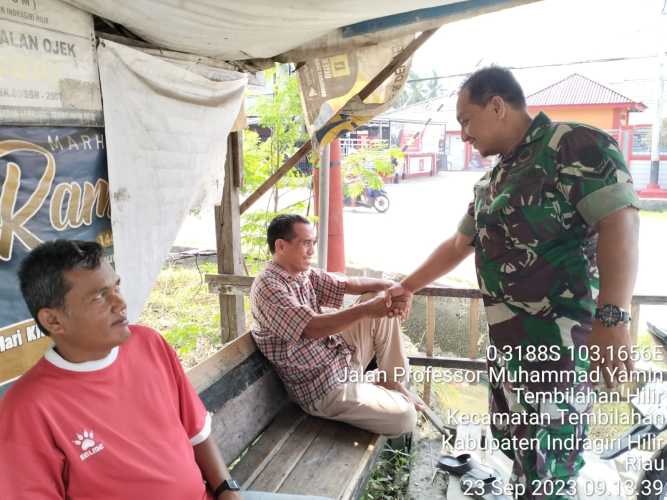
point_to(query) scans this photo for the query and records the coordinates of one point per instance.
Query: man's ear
(280, 245)
(52, 320)
(499, 106)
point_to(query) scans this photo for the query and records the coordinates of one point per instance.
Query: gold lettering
(105, 239)
(71, 191)
(69, 210)
(12, 222)
(98, 196)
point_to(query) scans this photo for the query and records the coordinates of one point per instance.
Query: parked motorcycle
(370, 198)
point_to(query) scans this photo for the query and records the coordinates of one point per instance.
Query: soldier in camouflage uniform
(558, 205)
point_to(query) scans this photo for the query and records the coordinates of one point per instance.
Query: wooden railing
(240, 285)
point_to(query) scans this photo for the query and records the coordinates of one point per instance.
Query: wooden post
(430, 333)
(634, 322)
(473, 328)
(228, 238)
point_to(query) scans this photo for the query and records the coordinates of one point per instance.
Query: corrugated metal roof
(577, 89)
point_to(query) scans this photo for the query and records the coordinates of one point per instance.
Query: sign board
(48, 70)
(53, 184)
(329, 86)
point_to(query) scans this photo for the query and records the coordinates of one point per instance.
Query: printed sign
(48, 73)
(53, 185)
(329, 86)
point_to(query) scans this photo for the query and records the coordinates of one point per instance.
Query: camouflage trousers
(544, 439)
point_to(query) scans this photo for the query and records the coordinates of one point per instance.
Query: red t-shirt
(118, 428)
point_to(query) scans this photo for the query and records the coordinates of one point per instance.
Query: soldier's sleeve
(593, 175)
(467, 225)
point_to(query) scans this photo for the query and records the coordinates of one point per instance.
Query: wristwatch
(610, 315)
(226, 485)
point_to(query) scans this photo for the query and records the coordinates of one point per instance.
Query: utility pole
(653, 189)
(323, 209)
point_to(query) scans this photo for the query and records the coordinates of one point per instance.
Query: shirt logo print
(86, 441)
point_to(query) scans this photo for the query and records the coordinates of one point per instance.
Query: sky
(557, 32)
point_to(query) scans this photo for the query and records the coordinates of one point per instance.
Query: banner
(53, 185)
(329, 88)
(48, 73)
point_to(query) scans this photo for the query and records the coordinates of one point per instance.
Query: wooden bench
(270, 443)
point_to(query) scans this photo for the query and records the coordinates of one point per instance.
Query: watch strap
(227, 484)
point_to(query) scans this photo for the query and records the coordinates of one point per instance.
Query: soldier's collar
(538, 127)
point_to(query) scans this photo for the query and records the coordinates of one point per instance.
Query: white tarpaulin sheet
(242, 30)
(166, 130)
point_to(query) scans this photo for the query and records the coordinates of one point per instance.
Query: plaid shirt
(282, 306)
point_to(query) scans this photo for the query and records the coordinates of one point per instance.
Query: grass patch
(660, 215)
(390, 476)
(181, 308)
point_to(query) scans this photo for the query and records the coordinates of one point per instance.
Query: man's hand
(609, 348)
(376, 307)
(398, 300)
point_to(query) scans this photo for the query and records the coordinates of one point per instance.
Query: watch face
(610, 315)
(233, 485)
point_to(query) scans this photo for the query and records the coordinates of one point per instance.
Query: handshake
(394, 301)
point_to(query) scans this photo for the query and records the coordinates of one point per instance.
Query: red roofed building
(580, 99)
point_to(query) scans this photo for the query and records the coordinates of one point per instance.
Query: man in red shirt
(108, 412)
(321, 356)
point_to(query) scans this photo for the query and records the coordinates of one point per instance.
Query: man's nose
(117, 301)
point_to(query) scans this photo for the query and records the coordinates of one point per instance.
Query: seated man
(108, 412)
(321, 356)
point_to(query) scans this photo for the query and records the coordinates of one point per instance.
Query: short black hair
(485, 83)
(282, 228)
(41, 273)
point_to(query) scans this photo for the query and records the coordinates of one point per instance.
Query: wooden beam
(246, 66)
(228, 239)
(654, 300)
(229, 284)
(445, 291)
(213, 368)
(218, 281)
(370, 87)
(430, 334)
(634, 322)
(237, 154)
(473, 327)
(454, 363)
(277, 175)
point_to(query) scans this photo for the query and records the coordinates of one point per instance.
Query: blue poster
(54, 184)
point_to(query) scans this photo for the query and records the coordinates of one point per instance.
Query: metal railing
(349, 145)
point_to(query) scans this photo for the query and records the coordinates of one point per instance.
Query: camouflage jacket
(533, 222)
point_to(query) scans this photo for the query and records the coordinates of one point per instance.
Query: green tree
(282, 114)
(413, 91)
(433, 87)
(416, 91)
(366, 167)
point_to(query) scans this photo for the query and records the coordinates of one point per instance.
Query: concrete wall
(598, 117)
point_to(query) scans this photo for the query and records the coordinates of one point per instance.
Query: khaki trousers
(364, 404)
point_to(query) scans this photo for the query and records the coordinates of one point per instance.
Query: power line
(588, 61)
